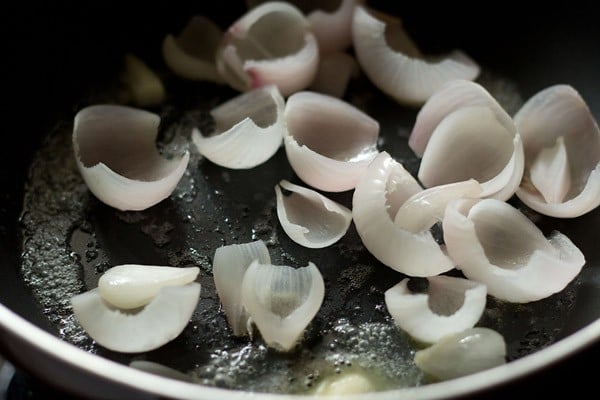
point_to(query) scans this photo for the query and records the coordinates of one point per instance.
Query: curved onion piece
(472, 142)
(271, 44)
(423, 209)
(393, 64)
(451, 97)
(451, 305)
(117, 157)
(334, 73)
(249, 129)
(159, 322)
(464, 353)
(144, 87)
(333, 30)
(385, 186)
(495, 244)
(330, 142)
(160, 370)
(282, 300)
(131, 286)
(191, 55)
(229, 266)
(309, 218)
(562, 153)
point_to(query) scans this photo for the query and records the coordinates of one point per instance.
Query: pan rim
(65, 352)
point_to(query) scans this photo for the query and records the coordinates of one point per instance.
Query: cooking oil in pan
(70, 239)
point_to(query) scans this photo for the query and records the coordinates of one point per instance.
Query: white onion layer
(462, 354)
(451, 97)
(495, 244)
(450, 305)
(562, 153)
(270, 44)
(472, 143)
(131, 286)
(191, 55)
(156, 324)
(309, 218)
(333, 30)
(282, 301)
(334, 73)
(330, 143)
(425, 208)
(116, 155)
(249, 129)
(382, 51)
(385, 186)
(229, 266)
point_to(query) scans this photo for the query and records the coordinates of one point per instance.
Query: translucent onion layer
(382, 190)
(309, 218)
(450, 305)
(495, 244)
(330, 143)
(116, 154)
(248, 129)
(562, 153)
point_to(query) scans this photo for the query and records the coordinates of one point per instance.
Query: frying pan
(61, 56)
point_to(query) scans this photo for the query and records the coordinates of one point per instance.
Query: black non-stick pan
(56, 238)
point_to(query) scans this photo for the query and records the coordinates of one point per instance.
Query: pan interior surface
(69, 239)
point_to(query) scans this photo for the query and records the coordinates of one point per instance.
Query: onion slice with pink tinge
(333, 30)
(382, 190)
(463, 353)
(145, 329)
(334, 73)
(450, 305)
(329, 143)
(562, 153)
(282, 301)
(229, 266)
(270, 44)
(248, 129)
(495, 244)
(191, 55)
(116, 155)
(393, 63)
(309, 218)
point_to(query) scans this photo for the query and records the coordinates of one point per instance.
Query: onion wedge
(229, 266)
(495, 244)
(309, 218)
(282, 301)
(156, 324)
(249, 129)
(450, 306)
(116, 155)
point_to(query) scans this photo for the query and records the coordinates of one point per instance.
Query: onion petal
(117, 157)
(451, 305)
(156, 324)
(309, 218)
(385, 186)
(249, 129)
(282, 300)
(495, 244)
(144, 87)
(229, 266)
(191, 55)
(382, 51)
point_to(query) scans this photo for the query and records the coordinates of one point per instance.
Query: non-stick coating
(57, 52)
